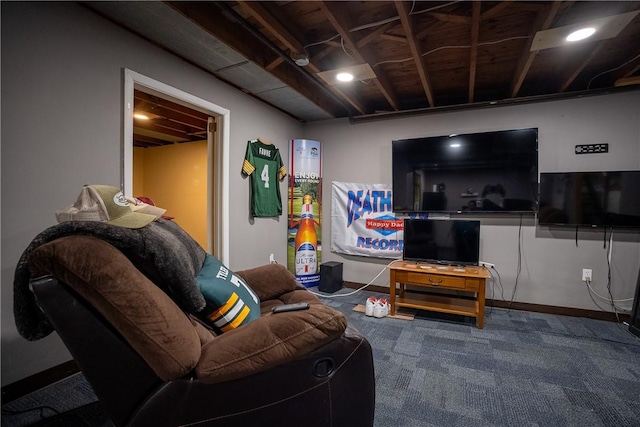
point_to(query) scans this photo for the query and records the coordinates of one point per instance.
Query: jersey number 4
(265, 176)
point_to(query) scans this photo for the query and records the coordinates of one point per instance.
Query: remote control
(290, 307)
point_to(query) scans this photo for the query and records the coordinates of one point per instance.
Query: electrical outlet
(586, 274)
(487, 264)
(272, 259)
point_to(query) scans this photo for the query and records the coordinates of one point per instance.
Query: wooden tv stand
(470, 280)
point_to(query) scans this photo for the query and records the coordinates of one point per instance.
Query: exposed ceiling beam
(628, 81)
(631, 70)
(334, 13)
(536, 7)
(170, 105)
(495, 10)
(624, 75)
(394, 38)
(273, 64)
(216, 18)
(435, 27)
(451, 18)
(165, 127)
(576, 72)
(473, 60)
(272, 25)
(326, 51)
(375, 34)
(160, 110)
(437, 50)
(543, 22)
(148, 141)
(407, 25)
(278, 30)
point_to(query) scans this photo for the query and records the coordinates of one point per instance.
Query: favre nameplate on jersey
(363, 222)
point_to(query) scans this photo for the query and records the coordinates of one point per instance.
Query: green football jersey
(262, 163)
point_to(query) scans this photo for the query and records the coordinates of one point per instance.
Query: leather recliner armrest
(269, 281)
(271, 340)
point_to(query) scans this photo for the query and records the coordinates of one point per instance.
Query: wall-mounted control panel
(592, 148)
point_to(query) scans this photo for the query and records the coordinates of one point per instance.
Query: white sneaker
(369, 305)
(381, 308)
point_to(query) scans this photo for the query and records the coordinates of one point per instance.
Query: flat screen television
(451, 242)
(590, 199)
(480, 172)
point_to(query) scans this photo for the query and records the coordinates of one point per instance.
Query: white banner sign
(363, 222)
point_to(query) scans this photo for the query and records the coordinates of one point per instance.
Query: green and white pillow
(230, 301)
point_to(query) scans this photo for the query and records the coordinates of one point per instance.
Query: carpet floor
(522, 369)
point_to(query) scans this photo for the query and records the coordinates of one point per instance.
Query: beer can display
(304, 235)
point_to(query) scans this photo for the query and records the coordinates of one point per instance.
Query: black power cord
(519, 267)
(493, 286)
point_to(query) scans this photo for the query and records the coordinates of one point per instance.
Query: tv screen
(474, 173)
(452, 242)
(593, 199)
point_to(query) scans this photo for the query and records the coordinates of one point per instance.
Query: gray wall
(55, 138)
(551, 268)
(62, 92)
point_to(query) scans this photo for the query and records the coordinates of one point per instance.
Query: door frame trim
(216, 172)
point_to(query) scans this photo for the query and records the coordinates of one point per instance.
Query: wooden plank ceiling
(159, 121)
(425, 55)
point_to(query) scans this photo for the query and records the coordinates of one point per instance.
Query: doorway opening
(167, 141)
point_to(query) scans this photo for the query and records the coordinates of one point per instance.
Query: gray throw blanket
(162, 250)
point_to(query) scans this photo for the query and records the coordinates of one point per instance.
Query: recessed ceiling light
(140, 116)
(344, 77)
(455, 145)
(358, 73)
(581, 34)
(607, 27)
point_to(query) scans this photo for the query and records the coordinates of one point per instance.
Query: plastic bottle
(306, 240)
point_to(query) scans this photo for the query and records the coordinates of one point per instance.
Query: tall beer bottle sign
(304, 231)
(306, 243)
